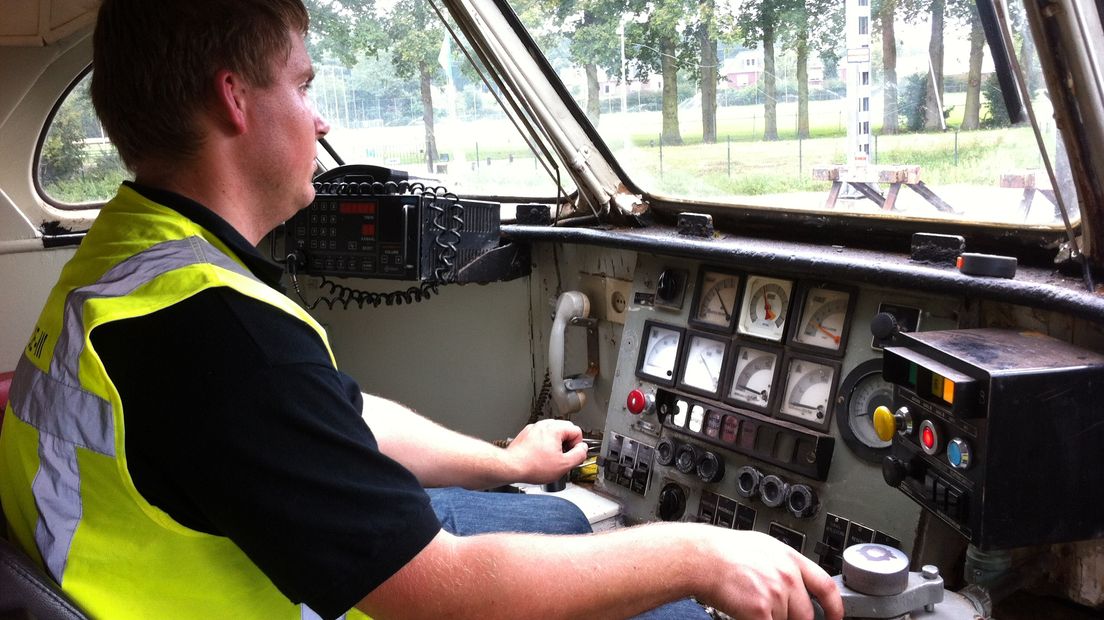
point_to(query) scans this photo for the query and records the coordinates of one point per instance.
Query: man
(180, 443)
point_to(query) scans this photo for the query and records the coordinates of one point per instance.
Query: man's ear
(230, 100)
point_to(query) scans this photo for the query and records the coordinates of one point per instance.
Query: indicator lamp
(942, 388)
(929, 437)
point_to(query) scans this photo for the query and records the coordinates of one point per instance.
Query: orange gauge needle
(828, 333)
(766, 307)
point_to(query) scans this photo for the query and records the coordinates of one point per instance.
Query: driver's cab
(822, 270)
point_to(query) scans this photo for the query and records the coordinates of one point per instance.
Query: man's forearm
(608, 575)
(437, 455)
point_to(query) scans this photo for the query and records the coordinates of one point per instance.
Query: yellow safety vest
(64, 483)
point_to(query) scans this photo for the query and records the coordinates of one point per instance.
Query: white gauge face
(869, 393)
(717, 299)
(752, 376)
(823, 318)
(763, 313)
(704, 363)
(808, 388)
(661, 353)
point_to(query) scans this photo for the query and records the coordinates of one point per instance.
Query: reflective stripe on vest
(67, 416)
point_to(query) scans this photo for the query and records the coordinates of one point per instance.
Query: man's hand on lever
(545, 451)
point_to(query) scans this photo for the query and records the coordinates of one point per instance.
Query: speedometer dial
(765, 306)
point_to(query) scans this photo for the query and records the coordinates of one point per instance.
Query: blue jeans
(464, 513)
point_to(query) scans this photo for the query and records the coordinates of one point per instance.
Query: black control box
(391, 236)
(1000, 433)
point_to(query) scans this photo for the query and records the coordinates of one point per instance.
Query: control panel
(745, 400)
(985, 424)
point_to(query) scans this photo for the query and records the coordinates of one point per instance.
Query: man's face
(286, 128)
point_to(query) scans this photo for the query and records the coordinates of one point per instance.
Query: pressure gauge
(660, 352)
(763, 312)
(754, 371)
(716, 303)
(703, 365)
(809, 390)
(823, 321)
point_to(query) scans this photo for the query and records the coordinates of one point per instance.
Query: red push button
(638, 402)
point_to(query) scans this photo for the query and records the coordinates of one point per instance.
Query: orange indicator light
(948, 391)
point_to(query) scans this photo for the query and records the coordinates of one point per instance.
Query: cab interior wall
(33, 78)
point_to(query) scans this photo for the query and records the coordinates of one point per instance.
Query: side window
(77, 164)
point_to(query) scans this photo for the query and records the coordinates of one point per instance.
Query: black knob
(686, 458)
(773, 490)
(711, 468)
(747, 481)
(665, 451)
(802, 501)
(672, 502)
(667, 287)
(884, 326)
(894, 471)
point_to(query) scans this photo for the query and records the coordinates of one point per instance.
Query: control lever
(572, 308)
(876, 583)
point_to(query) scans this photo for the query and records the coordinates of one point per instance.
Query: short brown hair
(154, 62)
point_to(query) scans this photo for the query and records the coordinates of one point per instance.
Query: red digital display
(358, 208)
(368, 230)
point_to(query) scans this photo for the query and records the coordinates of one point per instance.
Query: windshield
(821, 105)
(811, 105)
(398, 92)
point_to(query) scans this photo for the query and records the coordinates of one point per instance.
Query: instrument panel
(739, 347)
(745, 399)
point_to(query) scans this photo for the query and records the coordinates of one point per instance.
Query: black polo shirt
(237, 424)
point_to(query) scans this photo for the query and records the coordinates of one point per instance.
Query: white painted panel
(25, 281)
(462, 358)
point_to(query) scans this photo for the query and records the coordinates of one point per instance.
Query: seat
(25, 591)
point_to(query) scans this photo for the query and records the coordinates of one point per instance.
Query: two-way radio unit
(395, 231)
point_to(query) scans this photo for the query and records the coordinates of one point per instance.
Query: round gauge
(661, 352)
(704, 364)
(717, 299)
(752, 376)
(823, 318)
(808, 390)
(863, 391)
(766, 301)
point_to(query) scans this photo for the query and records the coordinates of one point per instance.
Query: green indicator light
(912, 374)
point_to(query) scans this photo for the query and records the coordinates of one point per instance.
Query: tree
(971, 117)
(933, 106)
(709, 70)
(416, 39)
(810, 26)
(591, 26)
(884, 17)
(756, 22)
(672, 47)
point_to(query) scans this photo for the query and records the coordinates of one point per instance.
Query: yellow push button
(885, 425)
